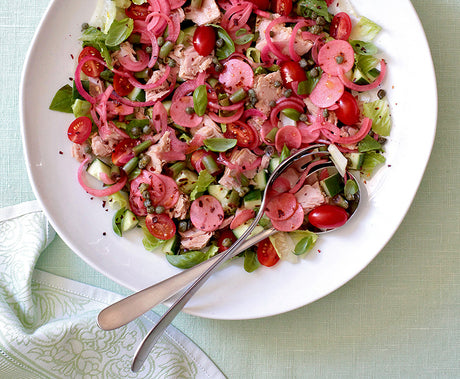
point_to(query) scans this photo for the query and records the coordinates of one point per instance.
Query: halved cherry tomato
(243, 133)
(261, 4)
(292, 72)
(204, 40)
(340, 26)
(137, 12)
(328, 216)
(228, 235)
(79, 130)
(348, 110)
(160, 226)
(123, 151)
(197, 158)
(121, 85)
(91, 68)
(282, 7)
(266, 253)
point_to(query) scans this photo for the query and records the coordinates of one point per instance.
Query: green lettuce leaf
(202, 184)
(379, 112)
(371, 161)
(365, 30)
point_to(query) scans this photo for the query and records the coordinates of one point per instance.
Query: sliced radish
(292, 223)
(281, 207)
(241, 216)
(206, 213)
(179, 115)
(171, 194)
(236, 74)
(288, 135)
(336, 55)
(328, 90)
(308, 135)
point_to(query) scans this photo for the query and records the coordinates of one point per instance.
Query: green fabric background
(398, 318)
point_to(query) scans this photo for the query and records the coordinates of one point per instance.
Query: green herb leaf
(351, 187)
(379, 112)
(204, 181)
(251, 263)
(63, 100)
(186, 260)
(116, 221)
(364, 48)
(200, 100)
(92, 34)
(220, 144)
(228, 48)
(304, 245)
(368, 144)
(244, 39)
(284, 153)
(119, 31)
(307, 7)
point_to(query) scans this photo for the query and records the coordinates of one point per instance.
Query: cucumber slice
(332, 185)
(81, 108)
(229, 199)
(171, 246)
(274, 162)
(260, 180)
(355, 160)
(186, 181)
(97, 167)
(253, 199)
(129, 221)
(238, 232)
(137, 94)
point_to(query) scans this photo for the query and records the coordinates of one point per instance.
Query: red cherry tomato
(340, 26)
(137, 12)
(261, 4)
(123, 151)
(91, 68)
(226, 234)
(266, 253)
(79, 130)
(243, 133)
(160, 226)
(348, 110)
(328, 216)
(204, 39)
(292, 72)
(282, 7)
(121, 85)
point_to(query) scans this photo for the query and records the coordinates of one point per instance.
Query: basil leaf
(119, 31)
(200, 100)
(75, 94)
(304, 245)
(307, 7)
(364, 48)
(116, 221)
(351, 187)
(240, 32)
(244, 39)
(219, 144)
(368, 144)
(284, 153)
(307, 86)
(62, 100)
(92, 34)
(187, 260)
(251, 262)
(228, 47)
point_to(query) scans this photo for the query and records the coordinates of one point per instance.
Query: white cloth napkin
(48, 323)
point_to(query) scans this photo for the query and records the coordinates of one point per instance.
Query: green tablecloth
(398, 318)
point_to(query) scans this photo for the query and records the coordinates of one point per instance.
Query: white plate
(232, 293)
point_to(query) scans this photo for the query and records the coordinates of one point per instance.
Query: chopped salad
(184, 107)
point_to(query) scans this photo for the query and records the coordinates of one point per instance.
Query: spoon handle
(135, 305)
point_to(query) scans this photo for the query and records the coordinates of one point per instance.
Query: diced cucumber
(229, 199)
(373, 73)
(253, 199)
(238, 232)
(260, 179)
(359, 77)
(186, 181)
(332, 185)
(274, 162)
(137, 94)
(355, 160)
(171, 246)
(97, 167)
(129, 221)
(264, 221)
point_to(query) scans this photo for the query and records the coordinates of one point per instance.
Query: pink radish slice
(333, 51)
(171, 194)
(328, 90)
(281, 185)
(206, 213)
(307, 134)
(292, 223)
(156, 186)
(241, 216)
(179, 115)
(288, 135)
(236, 74)
(281, 207)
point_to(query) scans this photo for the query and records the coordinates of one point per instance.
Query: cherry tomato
(79, 130)
(91, 68)
(197, 157)
(137, 12)
(340, 26)
(243, 133)
(204, 40)
(160, 226)
(123, 151)
(282, 7)
(348, 110)
(261, 4)
(292, 72)
(266, 253)
(228, 235)
(328, 216)
(121, 85)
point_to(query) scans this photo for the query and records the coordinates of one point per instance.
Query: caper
(253, 100)
(303, 63)
(272, 104)
(272, 33)
(84, 26)
(316, 29)
(183, 226)
(148, 49)
(313, 15)
(381, 93)
(189, 110)
(303, 117)
(146, 129)
(277, 84)
(218, 67)
(251, 92)
(219, 42)
(146, 195)
(159, 209)
(143, 187)
(147, 203)
(325, 113)
(314, 72)
(310, 62)
(171, 63)
(150, 209)
(143, 162)
(320, 21)
(136, 131)
(226, 242)
(288, 93)
(160, 41)
(339, 59)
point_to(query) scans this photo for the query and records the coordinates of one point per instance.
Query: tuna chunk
(208, 13)
(207, 129)
(281, 36)
(310, 197)
(190, 62)
(162, 90)
(181, 208)
(194, 239)
(80, 152)
(242, 158)
(266, 91)
(154, 152)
